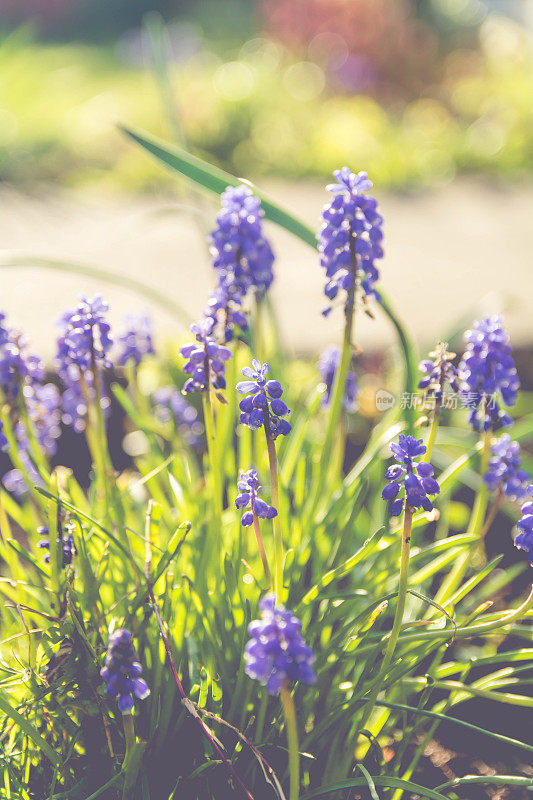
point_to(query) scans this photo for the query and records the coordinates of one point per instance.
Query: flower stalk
(291, 725)
(398, 616)
(274, 491)
(262, 551)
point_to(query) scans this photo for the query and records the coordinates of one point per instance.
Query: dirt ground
(450, 254)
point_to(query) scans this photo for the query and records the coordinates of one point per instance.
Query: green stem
(274, 492)
(432, 434)
(262, 551)
(292, 740)
(337, 395)
(129, 733)
(480, 505)
(213, 459)
(398, 617)
(132, 759)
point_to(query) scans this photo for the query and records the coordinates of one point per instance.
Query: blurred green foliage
(261, 111)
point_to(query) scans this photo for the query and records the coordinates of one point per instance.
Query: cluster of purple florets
(171, 406)
(83, 348)
(328, 366)
(17, 366)
(263, 404)
(3, 438)
(350, 237)
(415, 478)
(488, 376)
(524, 538)
(136, 341)
(505, 470)
(85, 336)
(205, 360)
(122, 672)
(242, 257)
(439, 372)
(64, 543)
(276, 654)
(249, 489)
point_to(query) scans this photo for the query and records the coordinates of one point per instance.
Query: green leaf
(18, 262)
(499, 780)
(30, 731)
(393, 783)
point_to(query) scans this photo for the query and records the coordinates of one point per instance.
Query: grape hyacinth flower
(504, 469)
(83, 348)
(65, 543)
(122, 672)
(438, 372)
(276, 653)
(170, 405)
(249, 488)
(241, 254)
(85, 336)
(16, 481)
(263, 401)
(328, 366)
(224, 308)
(416, 478)
(524, 539)
(18, 367)
(136, 341)
(350, 237)
(487, 373)
(43, 402)
(206, 359)
(3, 439)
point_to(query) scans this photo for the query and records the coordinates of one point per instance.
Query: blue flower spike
(505, 473)
(349, 240)
(328, 366)
(410, 482)
(524, 538)
(263, 401)
(276, 654)
(249, 489)
(205, 360)
(122, 672)
(488, 376)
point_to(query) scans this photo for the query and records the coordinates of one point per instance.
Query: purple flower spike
(85, 335)
(66, 543)
(276, 653)
(438, 372)
(242, 258)
(83, 347)
(3, 439)
(488, 375)
(18, 367)
(122, 672)
(225, 310)
(205, 360)
(241, 254)
(262, 396)
(504, 469)
(136, 341)
(170, 405)
(524, 539)
(249, 488)
(350, 237)
(328, 366)
(415, 478)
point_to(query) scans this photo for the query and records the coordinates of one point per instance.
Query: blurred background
(434, 98)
